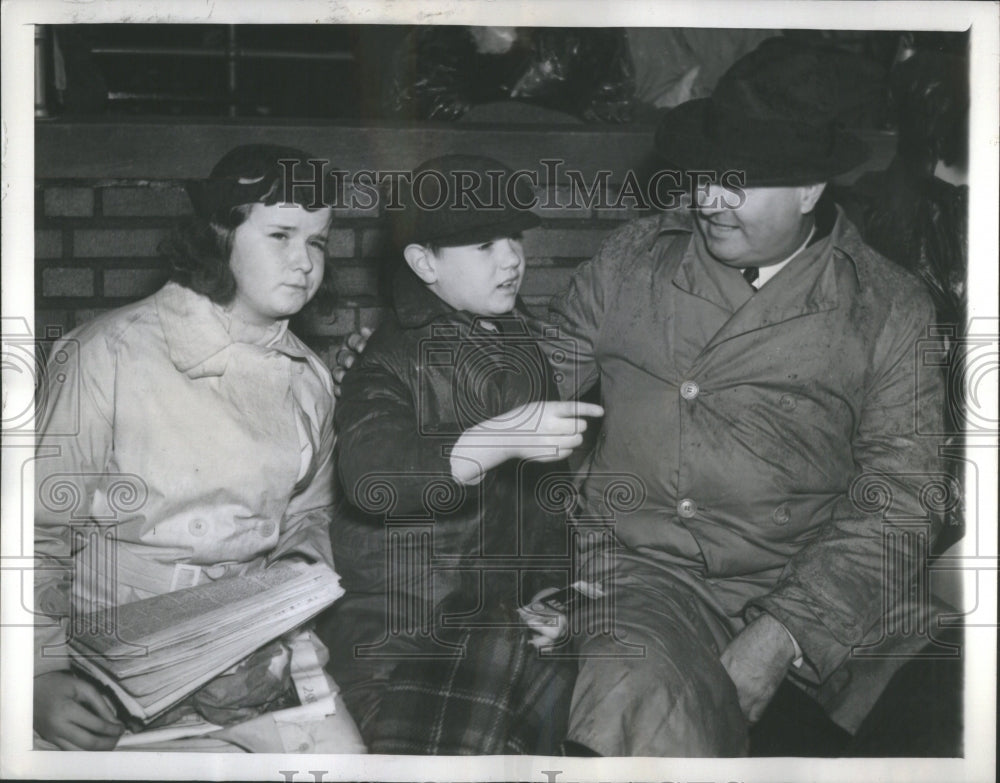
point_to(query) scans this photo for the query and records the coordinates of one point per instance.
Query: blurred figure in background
(915, 212)
(441, 72)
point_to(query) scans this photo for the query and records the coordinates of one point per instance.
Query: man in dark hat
(758, 371)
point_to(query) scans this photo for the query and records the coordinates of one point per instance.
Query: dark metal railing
(231, 54)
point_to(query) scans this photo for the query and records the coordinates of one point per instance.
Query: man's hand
(72, 714)
(757, 661)
(346, 355)
(543, 431)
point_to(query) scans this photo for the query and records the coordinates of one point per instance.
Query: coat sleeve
(831, 594)
(74, 425)
(386, 461)
(305, 527)
(577, 313)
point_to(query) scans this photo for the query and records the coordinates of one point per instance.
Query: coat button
(689, 390)
(687, 508)
(781, 515)
(787, 402)
(216, 572)
(197, 527)
(267, 529)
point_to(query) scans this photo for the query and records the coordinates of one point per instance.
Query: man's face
(768, 226)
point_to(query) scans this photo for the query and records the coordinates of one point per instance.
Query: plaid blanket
(500, 697)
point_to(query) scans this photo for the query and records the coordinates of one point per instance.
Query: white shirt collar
(765, 273)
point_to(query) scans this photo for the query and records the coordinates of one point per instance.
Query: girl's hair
(198, 251)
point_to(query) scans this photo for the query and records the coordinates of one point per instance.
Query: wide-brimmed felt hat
(461, 199)
(773, 116)
(255, 173)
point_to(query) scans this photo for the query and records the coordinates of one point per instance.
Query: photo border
(979, 545)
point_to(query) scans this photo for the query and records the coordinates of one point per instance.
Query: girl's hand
(72, 714)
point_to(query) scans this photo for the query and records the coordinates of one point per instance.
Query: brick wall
(96, 245)
(96, 248)
(106, 195)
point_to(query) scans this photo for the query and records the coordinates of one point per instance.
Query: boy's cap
(463, 200)
(251, 174)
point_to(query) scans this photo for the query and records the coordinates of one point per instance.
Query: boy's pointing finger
(578, 409)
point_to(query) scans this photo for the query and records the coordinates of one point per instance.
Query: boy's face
(483, 279)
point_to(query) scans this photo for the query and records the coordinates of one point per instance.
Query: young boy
(450, 435)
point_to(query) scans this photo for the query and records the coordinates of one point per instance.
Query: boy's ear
(422, 262)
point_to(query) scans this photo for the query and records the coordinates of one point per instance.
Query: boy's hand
(72, 714)
(543, 431)
(547, 623)
(347, 354)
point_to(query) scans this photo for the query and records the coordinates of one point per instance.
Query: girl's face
(277, 259)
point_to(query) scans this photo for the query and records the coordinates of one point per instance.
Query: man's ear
(809, 195)
(422, 262)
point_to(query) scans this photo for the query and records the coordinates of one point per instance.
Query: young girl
(190, 440)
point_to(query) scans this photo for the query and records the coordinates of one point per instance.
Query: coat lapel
(196, 339)
(806, 286)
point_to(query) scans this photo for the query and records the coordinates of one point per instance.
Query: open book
(155, 652)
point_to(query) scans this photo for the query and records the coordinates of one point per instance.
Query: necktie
(750, 274)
